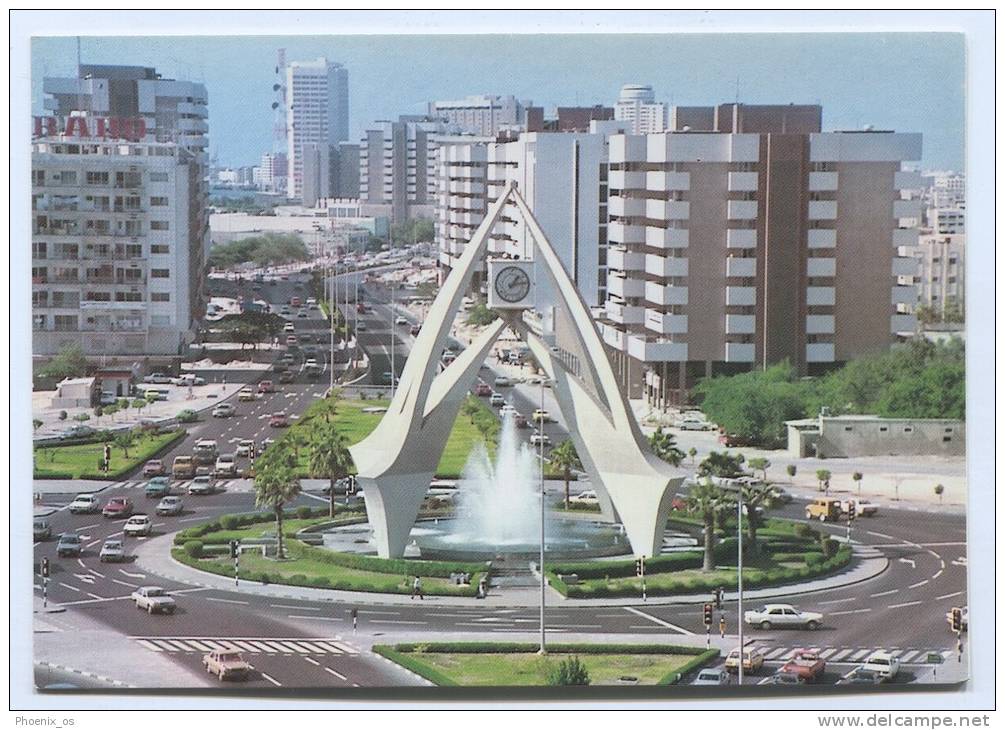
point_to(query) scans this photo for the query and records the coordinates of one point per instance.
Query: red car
(295, 302)
(805, 664)
(118, 507)
(483, 389)
(279, 420)
(519, 421)
(266, 386)
(153, 468)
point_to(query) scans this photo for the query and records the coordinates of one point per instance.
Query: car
(311, 363)
(587, 497)
(807, 664)
(291, 341)
(224, 410)
(295, 301)
(266, 386)
(289, 327)
(825, 510)
(40, 529)
(226, 665)
(520, 421)
(188, 379)
(244, 447)
(118, 507)
(287, 376)
(861, 507)
(496, 400)
(183, 467)
(309, 350)
(280, 366)
(711, 678)
(882, 662)
(283, 309)
(279, 420)
(153, 599)
(84, 504)
(302, 314)
(781, 615)
(502, 381)
(108, 398)
(76, 432)
(693, 424)
(226, 465)
(414, 330)
(205, 452)
(780, 495)
(312, 302)
(112, 551)
(483, 390)
(266, 443)
(157, 379)
(862, 675)
(157, 487)
(753, 661)
(169, 506)
(538, 439)
(541, 415)
(400, 320)
(69, 545)
(786, 678)
(153, 468)
(246, 394)
(361, 326)
(202, 484)
(138, 525)
(964, 617)
(312, 371)
(507, 410)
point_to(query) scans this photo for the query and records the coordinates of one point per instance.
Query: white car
(311, 363)
(85, 504)
(537, 438)
(226, 465)
(862, 507)
(112, 551)
(153, 599)
(711, 678)
(502, 381)
(224, 410)
(170, 506)
(783, 615)
(693, 424)
(587, 497)
(202, 484)
(400, 320)
(244, 447)
(883, 663)
(496, 400)
(507, 410)
(289, 327)
(157, 379)
(188, 380)
(138, 525)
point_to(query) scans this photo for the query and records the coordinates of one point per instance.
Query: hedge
(138, 458)
(399, 566)
(699, 661)
(234, 522)
(660, 564)
(797, 557)
(416, 667)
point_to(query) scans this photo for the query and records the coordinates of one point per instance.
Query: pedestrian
(722, 626)
(417, 588)
(354, 614)
(482, 587)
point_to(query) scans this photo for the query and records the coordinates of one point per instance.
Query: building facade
(317, 96)
(273, 170)
(756, 240)
(637, 107)
(482, 114)
(939, 274)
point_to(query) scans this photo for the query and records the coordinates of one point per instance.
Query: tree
(565, 459)
(665, 447)
(939, 489)
(125, 441)
(122, 403)
(721, 464)
(569, 672)
(752, 499)
(276, 484)
(480, 315)
(759, 463)
(62, 415)
(263, 250)
(69, 363)
(857, 478)
(791, 471)
(140, 403)
(330, 457)
(823, 479)
(707, 499)
(98, 413)
(35, 424)
(692, 452)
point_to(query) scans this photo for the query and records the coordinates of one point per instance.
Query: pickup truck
(153, 599)
(226, 664)
(805, 664)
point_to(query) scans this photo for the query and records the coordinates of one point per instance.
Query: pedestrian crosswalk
(840, 655)
(182, 486)
(202, 645)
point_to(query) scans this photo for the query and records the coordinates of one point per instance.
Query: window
(38, 177)
(160, 273)
(159, 225)
(159, 248)
(946, 439)
(97, 178)
(160, 296)
(908, 429)
(882, 429)
(158, 177)
(158, 201)
(847, 428)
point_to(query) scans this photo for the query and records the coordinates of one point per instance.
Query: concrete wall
(840, 437)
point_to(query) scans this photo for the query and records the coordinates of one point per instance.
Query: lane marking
(949, 595)
(918, 584)
(132, 575)
(75, 590)
(266, 676)
(844, 613)
(904, 605)
(884, 593)
(294, 608)
(390, 621)
(226, 600)
(315, 618)
(659, 621)
(312, 661)
(909, 561)
(124, 583)
(332, 671)
(838, 600)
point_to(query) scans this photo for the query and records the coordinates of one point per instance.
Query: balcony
(466, 187)
(741, 296)
(907, 209)
(907, 180)
(905, 236)
(665, 266)
(667, 237)
(903, 323)
(820, 352)
(821, 267)
(655, 350)
(820, 324)
(823, 181)
(744, 182)
(903, 295)
(626, 207)
(624, 313)
(662, 181)
(664, 295)
(821, 238)
(624, 260)
(625, 288)
(666, 324)
(668, 210)
(740, 352)
(618, 232)
(742, 210)
(613, 336)
(743, 268)
(822, 210)
(904, 266)
(740, 324)
(741, 238)
(820, 296)
(625, 180)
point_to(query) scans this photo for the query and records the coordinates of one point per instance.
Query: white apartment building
(637, 106)
(317, 97)
(939, 276)
(482, 114)
(273, 170)
(949, 189)
(946, 221)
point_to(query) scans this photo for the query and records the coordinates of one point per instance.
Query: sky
(909, 82)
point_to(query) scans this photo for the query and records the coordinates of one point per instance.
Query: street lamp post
(739, 583)
(540, 445)
(391, 283)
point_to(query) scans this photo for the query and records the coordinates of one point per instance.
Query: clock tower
(510, 284)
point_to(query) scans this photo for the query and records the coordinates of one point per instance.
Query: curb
(91, 675)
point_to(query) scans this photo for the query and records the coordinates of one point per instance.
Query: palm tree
(707, 499)
(857, 478)
(759, 463)
(565, 459)
(665, 447)
(823, 477)
(939, 490)
(276, 484)
(692, 452)
(752, 499)
(330, 457)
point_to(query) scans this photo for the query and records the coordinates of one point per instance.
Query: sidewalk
(153, 556)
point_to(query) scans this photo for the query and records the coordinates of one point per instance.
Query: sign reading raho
(130, 129)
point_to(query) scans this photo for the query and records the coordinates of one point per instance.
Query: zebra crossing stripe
(296, 647)
(165, 645)
(789, 654)
(859, 654)
(827, 652)
(340, 647)
(907, 656)
(947, 653)
(149, 645)
(841, 655)
(214, 645)
(313, 648)
(775, 652)
(198, 645)
(262, 646)
(246, 646)
(182, 646)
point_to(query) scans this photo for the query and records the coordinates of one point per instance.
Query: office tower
(317, 94)
(483, 114)
(638, 107)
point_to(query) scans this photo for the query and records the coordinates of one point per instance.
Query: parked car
(825, 510)
(118, 507)
(138, 525)
(538, 438)
(862, 675)
(157, 379)
(76, 432)
(753, 660)
(224, 410)
(781, 615)
(861, 507)
(806, 664)
(85, 504)
(183, 467)
(226, 665)
(188, 379)
(693, 424)
(170, 506)
(246, 394)
(587, 497)
(108, 398)
(711, 678)
(882, 662)
(112, 551)
(786, 678)
(202, 484)
(69, 546)
(153, 599)
(244, 447)
(157, 487)
(279, 420)
(483, 390)
(153, 468)
(502, 381)
(266, 386)
(226, 465)
(40, 529)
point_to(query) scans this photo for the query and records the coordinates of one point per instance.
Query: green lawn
(80, 460)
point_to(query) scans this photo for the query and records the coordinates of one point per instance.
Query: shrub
(62, 415)
(81, 417)
(229, 522)
(813, 559)
(304, 513)
(804, 530)
(569, 672)
(193, 548)
(830, 547)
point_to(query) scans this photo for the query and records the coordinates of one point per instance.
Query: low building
(118, 382)
(74, 393)
(833, 437)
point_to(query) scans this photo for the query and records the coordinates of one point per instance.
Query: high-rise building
(317, 96)
(272, 175)
(939, 273)
(946, 221)
(120, 224)
(751, 239)
(330, 171)
(483, 114)
(638, 107)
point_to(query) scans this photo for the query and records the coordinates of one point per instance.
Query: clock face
(512, 284)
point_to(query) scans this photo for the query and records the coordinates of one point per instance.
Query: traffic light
(852, 510)
(718, 598)
(957, 620)
(233, 548)
(45, 568)
(638, 566)
(708, 614)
